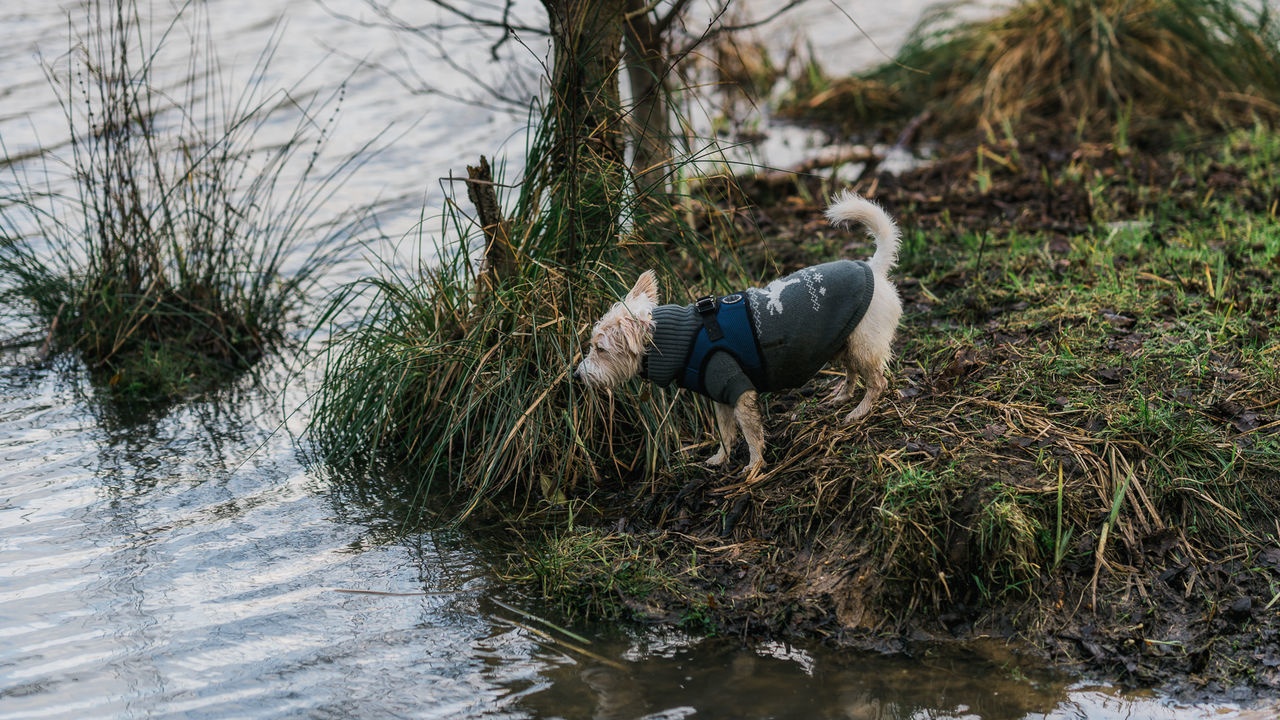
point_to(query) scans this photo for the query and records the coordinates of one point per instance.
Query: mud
(794, 556)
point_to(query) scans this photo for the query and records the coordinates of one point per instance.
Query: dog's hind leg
(872, 372)
(747, 413)
(844, 393)
(870, 347)
(728, 434)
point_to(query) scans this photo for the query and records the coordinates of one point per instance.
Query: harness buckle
(707, 307)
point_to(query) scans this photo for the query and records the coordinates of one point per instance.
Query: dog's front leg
(728, 434)
(747, 413)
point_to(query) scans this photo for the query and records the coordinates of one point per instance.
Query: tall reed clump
(170, 242)
(1084, 65)
(458, 377)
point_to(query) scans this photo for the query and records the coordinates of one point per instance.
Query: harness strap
(708, 307)
(726, 326)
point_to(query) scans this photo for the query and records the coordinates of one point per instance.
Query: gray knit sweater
(800, 321)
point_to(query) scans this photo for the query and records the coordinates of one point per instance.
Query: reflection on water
(721, 679)
(192, 573)
(186, 564)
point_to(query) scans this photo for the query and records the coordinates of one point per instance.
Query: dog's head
(618, 340)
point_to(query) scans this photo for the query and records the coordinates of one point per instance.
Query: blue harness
(726, 326)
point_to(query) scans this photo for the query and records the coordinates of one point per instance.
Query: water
(189, 565)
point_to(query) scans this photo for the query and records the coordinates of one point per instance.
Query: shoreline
(1053, 436)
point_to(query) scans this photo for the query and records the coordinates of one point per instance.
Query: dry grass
(457, 379)
(1075, 65)
(1083, 431)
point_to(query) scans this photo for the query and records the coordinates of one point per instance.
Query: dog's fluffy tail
(848, 207)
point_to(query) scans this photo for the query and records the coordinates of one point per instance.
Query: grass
(168, 244)
(1072, 414)
(1079, 67)
(457, 378)
(606, 576)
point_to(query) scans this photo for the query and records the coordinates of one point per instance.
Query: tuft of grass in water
(1075, 65)
(588, 573)
(170, 242)
(458, 377)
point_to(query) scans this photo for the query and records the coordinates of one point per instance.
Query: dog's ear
(646, 287)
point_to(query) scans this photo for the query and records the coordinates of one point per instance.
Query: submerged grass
(599, 575)
(1079, 66)
(170, 244)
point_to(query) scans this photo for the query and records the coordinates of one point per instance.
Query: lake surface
(190, 564)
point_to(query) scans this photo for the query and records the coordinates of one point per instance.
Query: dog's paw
(857, 414)
(718, 459)
(839, 396)
(754, 471)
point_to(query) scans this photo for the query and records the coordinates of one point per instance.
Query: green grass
(458, 378)
(167, 245)
(588, 573)
(1152, 348)
(1123, 376)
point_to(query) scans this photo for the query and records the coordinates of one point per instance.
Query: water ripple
(187, 566)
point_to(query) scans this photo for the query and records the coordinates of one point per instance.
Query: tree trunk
(649, 126)
(588, 154)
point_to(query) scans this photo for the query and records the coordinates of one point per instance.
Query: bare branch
(722, 29)
(641, 11)
(504, 23)
(412, 81)
(410, 78)
(661, 26)
(757, 23)
(706, 35)
(507, 33)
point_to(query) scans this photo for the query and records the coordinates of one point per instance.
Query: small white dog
(734, 347)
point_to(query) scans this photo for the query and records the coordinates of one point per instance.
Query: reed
(457, 377)
(167, 243)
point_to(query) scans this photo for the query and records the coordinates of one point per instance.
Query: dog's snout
(577, 374)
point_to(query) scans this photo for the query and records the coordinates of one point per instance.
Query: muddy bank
(1078, 452)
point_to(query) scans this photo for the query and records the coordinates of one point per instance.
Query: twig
(557, 641)
(423, 593)
(535, 618)
(43, 353)
(909, 132)
(661, 26)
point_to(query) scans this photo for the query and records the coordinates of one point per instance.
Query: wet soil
(793, 556)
